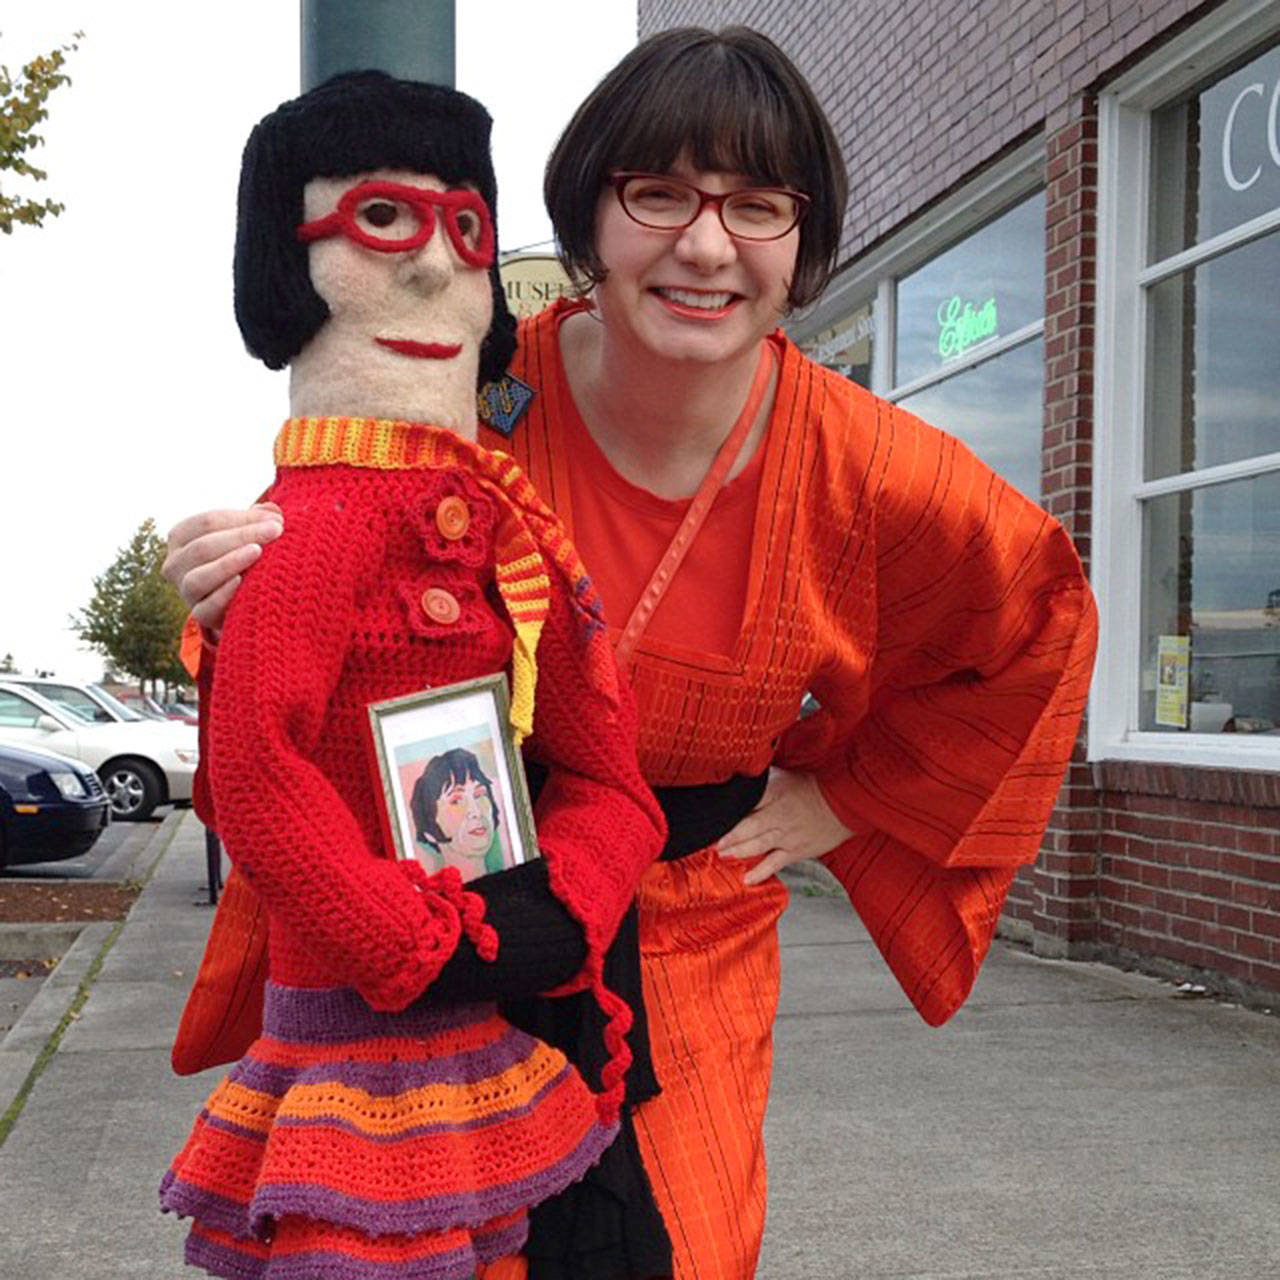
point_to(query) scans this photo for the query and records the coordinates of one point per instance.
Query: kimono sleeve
(284, 824)
(948, 762)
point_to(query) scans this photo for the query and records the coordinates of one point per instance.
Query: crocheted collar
(380, 443)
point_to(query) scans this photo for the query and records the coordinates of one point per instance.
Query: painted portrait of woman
(456, 815)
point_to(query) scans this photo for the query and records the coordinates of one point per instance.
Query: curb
(33, 1039)
(37, 941)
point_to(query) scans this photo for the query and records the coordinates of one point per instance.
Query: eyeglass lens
(752, 213)
(391, 220)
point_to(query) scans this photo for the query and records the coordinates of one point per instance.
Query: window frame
(1124, 278)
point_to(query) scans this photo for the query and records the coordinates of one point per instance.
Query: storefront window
(1211, 604)
(1211, 626)
(1194, 511)
(986, 287)
(969, 342)
(995, 408)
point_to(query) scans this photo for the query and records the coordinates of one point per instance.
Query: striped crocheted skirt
(354, 1145)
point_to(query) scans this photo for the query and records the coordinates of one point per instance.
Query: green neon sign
(962, 325)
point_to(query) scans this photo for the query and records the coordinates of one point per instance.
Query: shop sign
(1271, 124)
(962, 325)
(532, 283)
(847, 343)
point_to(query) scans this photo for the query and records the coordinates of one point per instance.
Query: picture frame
(452, 782)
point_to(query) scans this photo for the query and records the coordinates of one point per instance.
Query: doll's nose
(429, 268)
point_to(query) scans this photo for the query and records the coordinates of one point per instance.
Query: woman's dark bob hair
(350, 124)
(448, 769)
(731, 101)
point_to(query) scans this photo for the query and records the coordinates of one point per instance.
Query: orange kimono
(946, 628)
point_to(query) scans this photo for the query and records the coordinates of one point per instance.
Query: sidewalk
(1071, 1122)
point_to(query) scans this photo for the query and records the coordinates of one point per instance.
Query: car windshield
(123, 712)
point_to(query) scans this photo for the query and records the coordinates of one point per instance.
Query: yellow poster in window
(1173, 661)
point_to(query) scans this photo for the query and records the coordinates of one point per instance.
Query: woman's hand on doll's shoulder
(209, 552)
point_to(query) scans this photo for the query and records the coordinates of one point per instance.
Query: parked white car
(92, 701)
(142, 763)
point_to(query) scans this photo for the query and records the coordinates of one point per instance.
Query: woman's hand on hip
(209, 552)
(793, 821)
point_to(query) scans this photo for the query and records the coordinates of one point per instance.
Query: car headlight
(187, 756)
(69, 784)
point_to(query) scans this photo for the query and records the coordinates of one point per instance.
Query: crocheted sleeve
(599, 825)
(946, 753)
(284, 825)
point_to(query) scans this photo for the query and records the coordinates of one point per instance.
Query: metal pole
(411, 39)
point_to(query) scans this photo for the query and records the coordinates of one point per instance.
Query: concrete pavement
(1071, 1122)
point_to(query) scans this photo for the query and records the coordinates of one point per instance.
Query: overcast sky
(125, 391)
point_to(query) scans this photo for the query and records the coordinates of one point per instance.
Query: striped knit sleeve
(947, 764)
(286, 828)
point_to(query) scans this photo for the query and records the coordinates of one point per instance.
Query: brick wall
(930, 94)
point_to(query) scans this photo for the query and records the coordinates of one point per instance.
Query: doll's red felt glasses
(393, 218)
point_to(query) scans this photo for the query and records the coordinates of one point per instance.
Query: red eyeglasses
(393, 218)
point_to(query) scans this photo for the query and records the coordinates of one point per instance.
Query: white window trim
(1119, 362)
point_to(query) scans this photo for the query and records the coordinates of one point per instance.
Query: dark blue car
(51, 807)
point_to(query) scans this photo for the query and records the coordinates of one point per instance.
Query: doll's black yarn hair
(350, 124)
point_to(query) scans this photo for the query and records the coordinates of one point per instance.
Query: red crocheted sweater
(335, 616)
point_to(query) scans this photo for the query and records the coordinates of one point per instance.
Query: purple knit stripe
(222, 1260)
(431, 1213)
(207, 1207)
(423, 1130)
(332, 1015)
(386, 1079)
(238, 1130)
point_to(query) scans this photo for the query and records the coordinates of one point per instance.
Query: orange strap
(711, 484)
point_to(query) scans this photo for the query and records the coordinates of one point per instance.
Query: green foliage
(22, 108)
(134, 618)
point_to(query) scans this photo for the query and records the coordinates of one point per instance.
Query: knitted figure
(368, 1132)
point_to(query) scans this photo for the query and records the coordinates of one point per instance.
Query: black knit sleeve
(540, 945)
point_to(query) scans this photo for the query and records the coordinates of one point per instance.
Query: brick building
(1063, 245)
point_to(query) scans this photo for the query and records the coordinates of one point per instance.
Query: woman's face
(464, 813)
(694, 294)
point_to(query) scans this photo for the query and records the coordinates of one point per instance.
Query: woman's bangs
(724, 120)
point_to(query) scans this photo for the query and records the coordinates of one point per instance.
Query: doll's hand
(209, 552)
(793, 821)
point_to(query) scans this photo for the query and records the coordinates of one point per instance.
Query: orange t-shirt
(703, 607)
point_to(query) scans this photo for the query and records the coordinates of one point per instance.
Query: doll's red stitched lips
(423, 350)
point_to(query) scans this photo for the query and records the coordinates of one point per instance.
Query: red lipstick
(420, 350)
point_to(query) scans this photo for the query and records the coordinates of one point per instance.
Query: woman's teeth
(690, 298)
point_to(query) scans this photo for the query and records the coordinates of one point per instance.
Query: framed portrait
(453, 784)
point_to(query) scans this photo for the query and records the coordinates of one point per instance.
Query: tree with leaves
(134, 618)
(22, 108)
(6, 664)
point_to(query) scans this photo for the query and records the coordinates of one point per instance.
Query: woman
(941, 620)
(455, 816)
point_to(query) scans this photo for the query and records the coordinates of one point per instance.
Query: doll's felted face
(401, 260)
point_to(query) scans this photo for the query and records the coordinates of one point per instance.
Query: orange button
(453, 518)
(440, 605)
